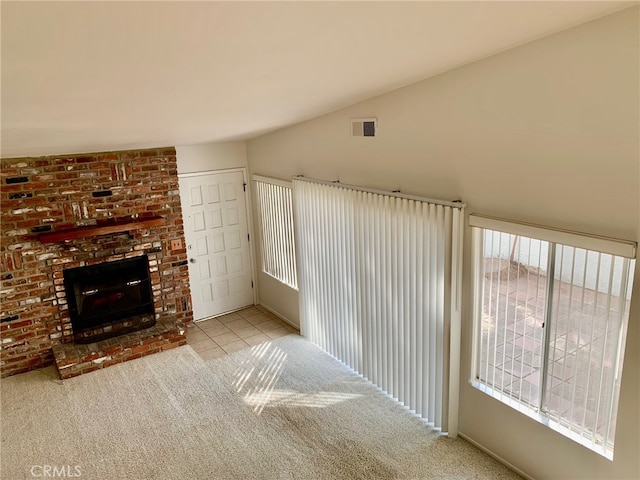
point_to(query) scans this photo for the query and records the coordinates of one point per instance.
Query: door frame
(247, 201)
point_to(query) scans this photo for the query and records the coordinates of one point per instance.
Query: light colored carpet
(280, 410)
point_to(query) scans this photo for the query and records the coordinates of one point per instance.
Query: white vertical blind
(275, 212)
(375, 275)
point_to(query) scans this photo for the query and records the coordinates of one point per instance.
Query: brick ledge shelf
(74, 359)
(123, 225)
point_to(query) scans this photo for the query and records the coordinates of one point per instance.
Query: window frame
(554, 237)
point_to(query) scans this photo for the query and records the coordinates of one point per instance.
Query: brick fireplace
(69, 211)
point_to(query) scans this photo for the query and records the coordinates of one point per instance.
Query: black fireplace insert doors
(109, 299)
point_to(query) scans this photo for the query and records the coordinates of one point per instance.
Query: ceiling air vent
(363, 127)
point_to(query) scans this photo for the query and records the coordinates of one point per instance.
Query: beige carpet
(281, 410)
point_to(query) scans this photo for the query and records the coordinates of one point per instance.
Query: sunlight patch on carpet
(258, 374)
(289, 398)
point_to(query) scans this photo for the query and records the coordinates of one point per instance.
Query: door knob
(192, 260)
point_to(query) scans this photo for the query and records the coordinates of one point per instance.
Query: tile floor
(219, 336)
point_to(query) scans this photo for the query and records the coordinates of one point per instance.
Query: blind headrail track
(446, 203)
(272, 180)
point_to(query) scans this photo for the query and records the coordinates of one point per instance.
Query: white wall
(211, 156)
(546, 133)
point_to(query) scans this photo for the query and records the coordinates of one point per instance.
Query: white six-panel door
(216, 230)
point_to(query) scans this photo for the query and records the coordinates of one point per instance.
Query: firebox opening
(109, 299)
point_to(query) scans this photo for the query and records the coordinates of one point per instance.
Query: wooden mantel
(106, 228)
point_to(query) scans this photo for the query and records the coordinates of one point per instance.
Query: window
(551, 313)
(276, 229)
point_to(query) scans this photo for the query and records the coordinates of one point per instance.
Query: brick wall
(50, 194)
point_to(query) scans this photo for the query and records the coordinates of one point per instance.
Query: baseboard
(279, 315)
(497, 457)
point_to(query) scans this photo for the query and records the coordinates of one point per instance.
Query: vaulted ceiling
(95, 76)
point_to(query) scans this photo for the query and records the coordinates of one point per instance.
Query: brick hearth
(48, 195)
(73, 360)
